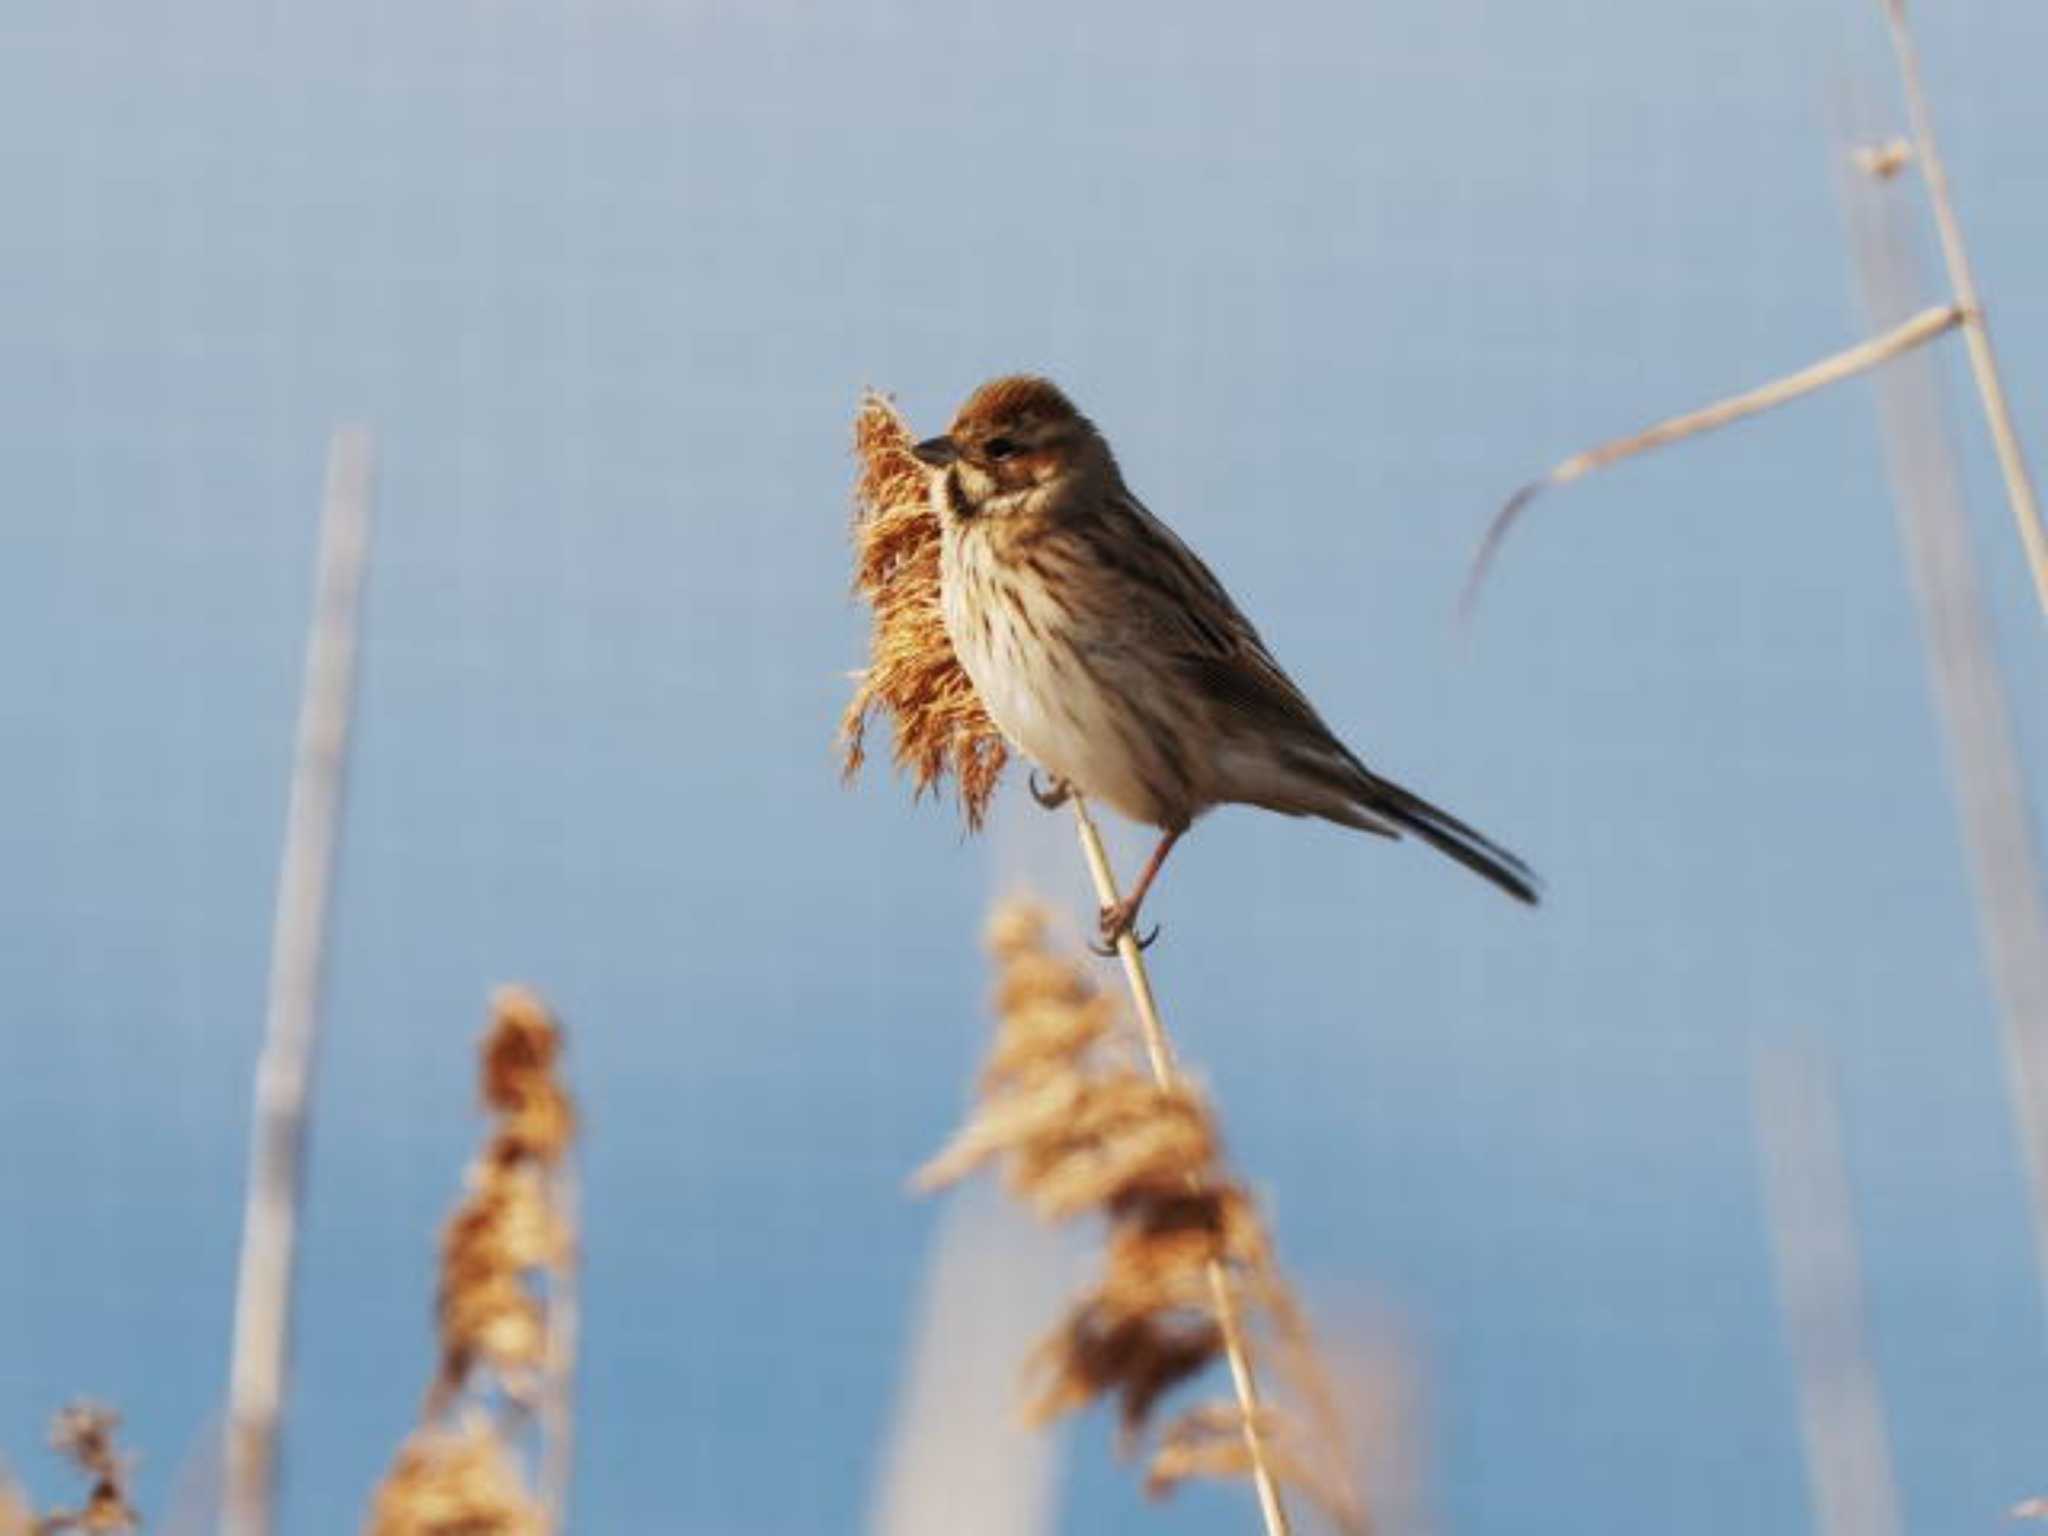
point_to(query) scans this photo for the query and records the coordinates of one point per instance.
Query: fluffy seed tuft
(505, 1304)
(83, 1434)
(455, 1482)
(912, 676)
(1077, 1125)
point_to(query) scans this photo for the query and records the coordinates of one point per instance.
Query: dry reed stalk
(557, 1408)
(913, 677)
(1922, 328)
(1079, 1125)
(1965, 312)
(507, 1274)
(2012, 462)
(1252, 1421)
(284, 1072)
(83, 1434)
(1971, 693)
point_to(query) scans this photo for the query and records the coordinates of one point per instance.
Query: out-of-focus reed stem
(284, 1072)
(1159, 1052)
(557, 1411)
(2012, 462)
(953, 1460)
(1820, 1293)
(1971, 695)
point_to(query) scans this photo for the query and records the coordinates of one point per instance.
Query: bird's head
(1014, 437)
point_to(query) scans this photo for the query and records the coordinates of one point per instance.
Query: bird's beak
(936, 451)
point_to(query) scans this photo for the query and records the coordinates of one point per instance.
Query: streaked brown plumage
(1108, 653)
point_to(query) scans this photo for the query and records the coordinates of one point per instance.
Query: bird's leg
(1117, 918)
(1052, 799)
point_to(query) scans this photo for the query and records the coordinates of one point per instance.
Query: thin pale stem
(1159, 1051)
(1971, 692)
(558, 1371)
(1919, 330)
(284, 1071)
(2012, 462)
(1849, 1471)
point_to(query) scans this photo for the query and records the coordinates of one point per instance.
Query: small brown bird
(1108, 653)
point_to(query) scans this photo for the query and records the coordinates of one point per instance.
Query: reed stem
(2012, 463)
(1972, 694)
(1159, 1051)
(557, 1407)
(1849, 1469)
(298, 944)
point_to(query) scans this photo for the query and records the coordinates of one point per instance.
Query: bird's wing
(1216, 651)
(1214, 646)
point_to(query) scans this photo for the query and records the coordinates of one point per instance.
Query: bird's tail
(1445, 833)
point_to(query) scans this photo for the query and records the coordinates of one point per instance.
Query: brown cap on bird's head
(1020, 410)
(1018, 397)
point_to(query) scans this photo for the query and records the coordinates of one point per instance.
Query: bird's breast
(1052, 688)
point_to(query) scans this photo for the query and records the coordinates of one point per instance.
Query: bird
(1107, 653)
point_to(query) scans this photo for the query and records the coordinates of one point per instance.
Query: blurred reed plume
(506, 1310)
(456, 1481)
(913, 677)
(1078, 1123)
(83, 1434)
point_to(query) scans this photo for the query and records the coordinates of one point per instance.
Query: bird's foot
(1052, 799)
(1115, 921)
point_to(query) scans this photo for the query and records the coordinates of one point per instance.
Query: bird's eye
(1000, 447)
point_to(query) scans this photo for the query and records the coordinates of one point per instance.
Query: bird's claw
(1115, 922)
(1052, 799)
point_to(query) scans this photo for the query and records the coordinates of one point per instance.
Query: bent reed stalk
(1963, 311)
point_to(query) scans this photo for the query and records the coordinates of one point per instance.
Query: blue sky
(606, 277)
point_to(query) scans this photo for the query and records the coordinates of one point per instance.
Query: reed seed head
(83, 1434)
(457, 1481)
(939, 726)
(507, 1231)
(508, 1255)
(1077, 1125)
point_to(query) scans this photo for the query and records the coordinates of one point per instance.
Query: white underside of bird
(1079, 728)
(1061, 719)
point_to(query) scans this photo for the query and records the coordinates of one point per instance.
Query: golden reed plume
(1077, 1122)
(505, 1308)
(912, 676)
(84, 1435)
(456, 1480)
